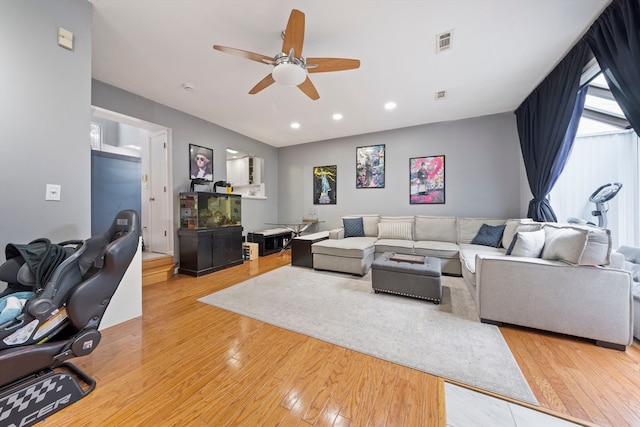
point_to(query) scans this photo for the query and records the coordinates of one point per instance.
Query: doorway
(116, 133)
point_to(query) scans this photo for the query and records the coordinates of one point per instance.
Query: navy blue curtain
(547, 123)
(615, 41)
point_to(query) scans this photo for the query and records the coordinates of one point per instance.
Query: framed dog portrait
(426, 180)
(370, 167)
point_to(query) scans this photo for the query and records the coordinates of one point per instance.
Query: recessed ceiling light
(295, 125)
(390, 105)
(188, 87)
(230, 151)
(337, 116)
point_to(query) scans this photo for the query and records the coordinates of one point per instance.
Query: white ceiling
(501, 50)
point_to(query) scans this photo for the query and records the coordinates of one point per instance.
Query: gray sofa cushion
(353, 247)
(446, 250)
(436, 228)
(395, 245)
(469, 251)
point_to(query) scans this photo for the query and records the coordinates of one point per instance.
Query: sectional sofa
(559, 278)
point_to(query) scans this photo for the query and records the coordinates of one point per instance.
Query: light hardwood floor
(188, 363)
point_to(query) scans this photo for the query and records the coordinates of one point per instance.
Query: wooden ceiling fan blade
(309, 89)
(331, 64)
(262, 84)
(245, 54)
(294, 34)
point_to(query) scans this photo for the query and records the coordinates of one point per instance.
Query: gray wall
(187, 129)
(482, 171)
(44, 121)
(44, 124)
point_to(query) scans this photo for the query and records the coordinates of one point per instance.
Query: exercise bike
(600, 198)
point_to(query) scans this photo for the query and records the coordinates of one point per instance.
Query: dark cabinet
(204, 251)
(301, 254)
(270, 241)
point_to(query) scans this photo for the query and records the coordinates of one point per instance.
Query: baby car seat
(60, 321)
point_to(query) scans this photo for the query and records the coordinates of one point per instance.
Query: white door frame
(159, 219)
(153, 129)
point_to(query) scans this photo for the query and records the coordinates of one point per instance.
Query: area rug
(445, 340)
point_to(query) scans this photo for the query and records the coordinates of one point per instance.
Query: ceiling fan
(290, 68)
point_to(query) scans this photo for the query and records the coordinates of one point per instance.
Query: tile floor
(467, 408)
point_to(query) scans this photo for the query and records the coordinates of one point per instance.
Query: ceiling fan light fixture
(288, 74)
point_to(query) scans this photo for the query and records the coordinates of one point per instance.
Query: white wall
(126, 302)
(44, 121)
(45, 112)
(482, 171)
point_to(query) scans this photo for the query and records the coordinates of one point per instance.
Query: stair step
(158, 261)
(157, 270)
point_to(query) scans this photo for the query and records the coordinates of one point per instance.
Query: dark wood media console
(207, 250)
(270, 241)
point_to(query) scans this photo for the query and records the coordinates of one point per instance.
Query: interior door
(115, 186)
(159, 219)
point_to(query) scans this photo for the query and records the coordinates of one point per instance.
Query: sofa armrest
(585, 301)
(336, 233)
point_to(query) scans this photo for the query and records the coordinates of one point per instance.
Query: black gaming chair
(61, 322)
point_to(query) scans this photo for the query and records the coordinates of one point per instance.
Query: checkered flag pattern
(23, 398)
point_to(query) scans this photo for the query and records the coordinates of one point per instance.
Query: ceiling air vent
(443, 41)
(441, 94)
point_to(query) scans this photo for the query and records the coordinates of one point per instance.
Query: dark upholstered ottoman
(418, 280)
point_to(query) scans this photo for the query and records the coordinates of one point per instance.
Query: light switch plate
(53, 192)
(65, 38)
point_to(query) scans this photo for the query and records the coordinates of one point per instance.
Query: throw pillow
(527, 244)
(577, 245)
(468, 228)
(512, 226)
(489, 235)
(563, 244)
(395, 230)
(353, 227)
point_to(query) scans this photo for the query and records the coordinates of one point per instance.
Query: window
(605, 150)
(96, 136)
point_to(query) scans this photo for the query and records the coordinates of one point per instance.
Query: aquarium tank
(210, 210)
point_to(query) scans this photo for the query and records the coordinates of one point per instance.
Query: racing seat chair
(61, 322)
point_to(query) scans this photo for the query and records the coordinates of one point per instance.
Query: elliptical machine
(600, 198)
